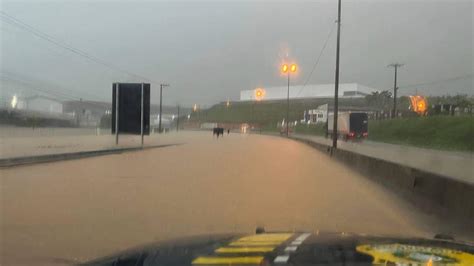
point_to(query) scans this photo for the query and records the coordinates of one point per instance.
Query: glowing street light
(287, 69)
(293, 68)
(418, 104)
(259, 94)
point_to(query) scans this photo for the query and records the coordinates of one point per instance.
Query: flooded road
(68, 212)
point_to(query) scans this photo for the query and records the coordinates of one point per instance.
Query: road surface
(72, 211)
(20, 142)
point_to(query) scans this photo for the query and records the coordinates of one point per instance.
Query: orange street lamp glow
(293, 68)
(418, 104)
(284, 68)
(259, 94)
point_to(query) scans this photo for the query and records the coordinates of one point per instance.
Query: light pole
(196, 110)
(285, 69)
(395, 88)
(177, 121)
(336, 83)
(161, 107)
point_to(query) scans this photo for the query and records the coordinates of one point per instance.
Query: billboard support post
(141, 113)
(161, 100)
(177, 121)
(117, 113)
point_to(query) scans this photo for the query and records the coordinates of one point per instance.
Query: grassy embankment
(438, 132)
(265, 113)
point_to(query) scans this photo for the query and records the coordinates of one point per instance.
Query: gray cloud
(209, 51)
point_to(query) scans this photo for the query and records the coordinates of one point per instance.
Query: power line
(437, 81)
(18, 23)
(17, 79)
(32, 87)
(33, 83)
(317, 59)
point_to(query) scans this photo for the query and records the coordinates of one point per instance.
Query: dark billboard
(129, 105)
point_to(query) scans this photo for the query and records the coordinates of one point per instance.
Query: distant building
(346, 90)
(166, 121)
(318, 115)
(41, 104)
(87, 113)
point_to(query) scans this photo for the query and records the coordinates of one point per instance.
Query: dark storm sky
(209, 51)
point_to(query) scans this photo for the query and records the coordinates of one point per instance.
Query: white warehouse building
(346, 90)
(39, 103)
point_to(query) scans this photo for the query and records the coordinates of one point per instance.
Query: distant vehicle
(283, 130)
(350, 125)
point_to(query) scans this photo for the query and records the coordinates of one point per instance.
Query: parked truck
(350, 125)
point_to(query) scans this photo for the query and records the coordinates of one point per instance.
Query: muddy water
(72, 211)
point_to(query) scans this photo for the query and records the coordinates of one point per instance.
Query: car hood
(304, 248)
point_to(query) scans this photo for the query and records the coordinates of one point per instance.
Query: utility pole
(141, 112)
(161, 107)
(117, 89)
(395, 88)
(288, 107)
(177, 121)
(336, 83)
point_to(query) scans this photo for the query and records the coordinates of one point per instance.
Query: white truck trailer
(350, 125)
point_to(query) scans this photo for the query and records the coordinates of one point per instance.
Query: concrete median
(436, 194)
(24, 160)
